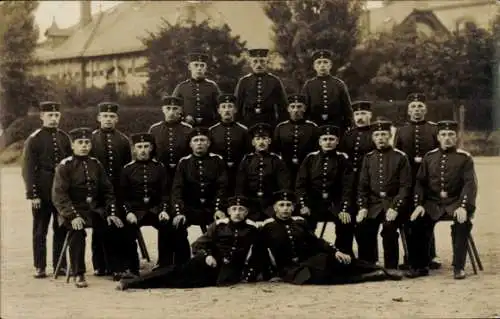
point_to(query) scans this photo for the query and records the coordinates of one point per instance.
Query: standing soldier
(324, 188)
(112, 148)
(229, 138)
(297, 137)
(260, 95)
(416, 139)
(83, 196)
(261, 173)
(326, 95)
(446, 185)
(198, 93)
(43, 150)
(383, 191)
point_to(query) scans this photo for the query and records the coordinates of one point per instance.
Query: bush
(12, 154)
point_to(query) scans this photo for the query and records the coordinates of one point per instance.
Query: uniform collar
(385, 149)
(363, 128)
(81, 157)
(143, 161)
(418, 122)
(449, 150)
(323, 77)
(172, 123)
(107, 130)
(200, 156)
(262, 153)
(300, 121)
(227, 123)
(197, 80)
(327, 153)
(49, 129)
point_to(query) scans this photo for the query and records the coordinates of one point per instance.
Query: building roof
(121, 28)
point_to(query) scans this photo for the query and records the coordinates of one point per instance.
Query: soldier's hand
(305, 211)
(361, 215)
(461, 215)
(343, 258)
(115, 220)
(189, 119)
(391, 215)
(36, 203)
(210, 261)
(219, 215)
(163, 216)
(418, 212)
(78, 223)
(178, 220)
(131, 218)
(345, 218)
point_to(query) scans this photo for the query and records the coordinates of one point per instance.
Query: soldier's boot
(80, 281)
(40, 273)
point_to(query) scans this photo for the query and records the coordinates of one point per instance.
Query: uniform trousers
(41, 220)
(421, 233)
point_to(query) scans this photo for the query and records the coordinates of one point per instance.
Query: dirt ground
(437, 296)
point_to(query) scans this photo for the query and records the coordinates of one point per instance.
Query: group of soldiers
(257, 181)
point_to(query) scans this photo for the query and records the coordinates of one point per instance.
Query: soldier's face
(447, 138)
(142, 150)
(381, 138)
(328, 142)
(417, 111)
(226, 111)
(200, 144)
(283, 209)
(362, 118)
(259, 64)
(107, 119)
(322, 66)
(81, 146)
(50, 119)
(197, 69)
(237, 213)
(261, 143)
(172, 112)
(296, 110)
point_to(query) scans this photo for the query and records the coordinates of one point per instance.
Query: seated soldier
(146, 199)
(222, 256)
(83, 197)
(299, 257)
(446, 185)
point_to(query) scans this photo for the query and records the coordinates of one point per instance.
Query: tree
(168, 49)
(19, 35)
(301, 27)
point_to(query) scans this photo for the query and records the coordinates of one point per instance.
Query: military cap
(261, 129)
(322, 54)
(381, 126)
(49, 106)
(237, 200)
(361, 106)
(80, 133)
(107, 107)
(226, 98)
(197, 131)
(258, 53)
(416, 97)
(284, 194)
(296, 98)
(447, 125)
(198, 57)
(172, 100)
(141, 138)
(329, 130)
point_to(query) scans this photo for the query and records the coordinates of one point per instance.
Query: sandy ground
(437, 296)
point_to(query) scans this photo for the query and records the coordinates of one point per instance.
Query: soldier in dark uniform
(324, 187)
(146, 200)
(383, 191)
(198, 93)
(261, 173)
(416, 139)
(260, 95)
(326, 95)
(223, 256)
(112, 148)
(446, 186)
(83, 196)
(299, 257)
(230, 139)
(295, 138)
(43, 150)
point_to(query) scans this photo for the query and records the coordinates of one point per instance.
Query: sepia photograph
(249, 159)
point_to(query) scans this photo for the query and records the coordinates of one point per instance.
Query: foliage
(301, 27)
(19, 36)
(167, 51)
